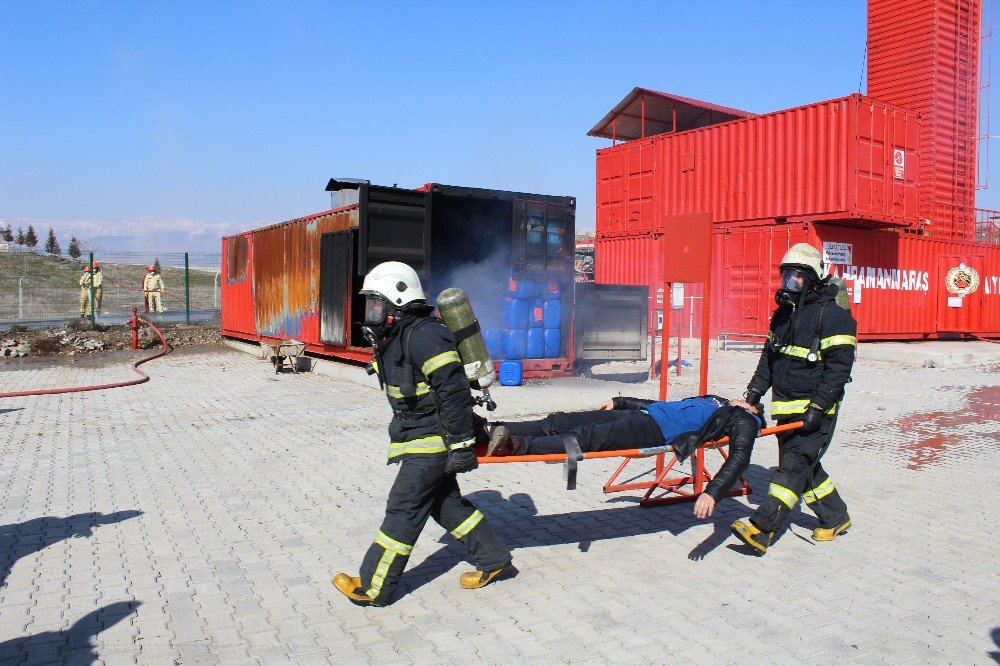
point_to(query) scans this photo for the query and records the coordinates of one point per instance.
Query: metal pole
(93, 314)
(187, 290)
(215, 291)
(20, 298)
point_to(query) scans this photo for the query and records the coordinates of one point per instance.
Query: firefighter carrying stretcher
(626, 423)
(431, 438)
(806, 362)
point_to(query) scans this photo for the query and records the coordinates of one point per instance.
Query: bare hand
(704, 506)
(607, 404)
(745, 405)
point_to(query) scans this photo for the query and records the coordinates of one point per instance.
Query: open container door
(394, 226)
(335, 286)
(609, 323)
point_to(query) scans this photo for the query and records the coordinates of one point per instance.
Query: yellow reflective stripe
(433, 444)
(779, 407)
(380, 573)
(819, 492)
(375, 365)
(386, 541)
(784, 407)
(467, 525)
(792, 350)
(465, 443)
(786, 496)
(396, 392)
(441, 360)
(834, 340)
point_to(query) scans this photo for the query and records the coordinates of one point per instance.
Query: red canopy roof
(646, 112)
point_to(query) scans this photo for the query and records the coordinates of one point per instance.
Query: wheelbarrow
(284, 350)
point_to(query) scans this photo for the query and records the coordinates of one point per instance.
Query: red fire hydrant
(133, 324)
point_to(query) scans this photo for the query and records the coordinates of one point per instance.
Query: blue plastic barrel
(493, 337)
(536, 316)
(553, 339)
(512, 285)
(552, 314)
(536, 343)
(515, 343)
(526, 288)
(510, 373)
(515, 312)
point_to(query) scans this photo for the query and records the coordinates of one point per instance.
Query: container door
(609, 322)
(334, 283)
(395, 225)
(960, 294)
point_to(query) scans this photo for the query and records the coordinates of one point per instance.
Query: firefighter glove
(812, 418)
(752, 396)
(460, 460)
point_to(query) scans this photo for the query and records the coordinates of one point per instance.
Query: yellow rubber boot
(831, 533)
(350, 586)
(473, 580)
(749, 534)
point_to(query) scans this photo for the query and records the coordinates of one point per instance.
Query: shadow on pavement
(71, 645)
(10, 409)
(995, 654)
(18, 540)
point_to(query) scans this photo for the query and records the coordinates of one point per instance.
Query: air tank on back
(456, 313)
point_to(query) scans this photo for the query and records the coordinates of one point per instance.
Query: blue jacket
(681, 416)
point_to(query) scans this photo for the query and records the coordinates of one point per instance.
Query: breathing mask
(379, 317)
(794, 282)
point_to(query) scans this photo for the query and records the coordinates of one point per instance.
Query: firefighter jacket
(152, 282)
(808, 355)
(98, 278)
(426, 387)
(85, 281)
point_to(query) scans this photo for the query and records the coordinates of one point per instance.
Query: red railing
(988, 226)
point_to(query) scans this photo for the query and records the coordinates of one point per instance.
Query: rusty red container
(835, 160)
(923, 55)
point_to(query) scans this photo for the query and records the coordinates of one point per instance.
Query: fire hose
(143, 377)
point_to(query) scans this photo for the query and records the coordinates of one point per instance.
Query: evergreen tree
(74, 248)
(20, 236)
(156, 265)
(30, 237)
(7, 234)
(51, 244)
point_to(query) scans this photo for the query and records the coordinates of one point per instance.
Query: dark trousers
(422, 489)
(801, 476)
(597, 430)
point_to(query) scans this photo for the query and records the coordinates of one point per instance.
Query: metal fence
(38, 290)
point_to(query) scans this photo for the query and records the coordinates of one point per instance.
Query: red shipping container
(831, 160)
(923, 55)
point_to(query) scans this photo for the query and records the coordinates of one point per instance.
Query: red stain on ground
(937, 433)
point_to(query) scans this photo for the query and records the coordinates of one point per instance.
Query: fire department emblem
(962, 280)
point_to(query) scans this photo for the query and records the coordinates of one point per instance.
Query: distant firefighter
(152, 289)
(85, 292)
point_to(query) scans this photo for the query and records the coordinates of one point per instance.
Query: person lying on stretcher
(633, 423)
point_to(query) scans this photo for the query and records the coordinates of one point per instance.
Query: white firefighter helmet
(805, 256)
(396, 282)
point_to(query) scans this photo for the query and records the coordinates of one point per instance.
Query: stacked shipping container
(881, 183)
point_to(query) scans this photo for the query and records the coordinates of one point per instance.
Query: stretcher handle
(626, 453)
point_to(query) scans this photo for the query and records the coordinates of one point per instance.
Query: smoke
(485, 282)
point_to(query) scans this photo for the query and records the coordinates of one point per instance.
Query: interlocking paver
(235, 514)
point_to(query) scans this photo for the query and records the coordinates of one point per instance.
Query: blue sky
(225, 115)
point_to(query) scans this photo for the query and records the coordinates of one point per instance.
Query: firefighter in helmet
(806, 363)
(97, 278)
(85, 292)
(431, 438)
(152, 289)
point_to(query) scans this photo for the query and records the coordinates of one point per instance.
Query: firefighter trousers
(801, 476)
(422, 490)
(596, 430)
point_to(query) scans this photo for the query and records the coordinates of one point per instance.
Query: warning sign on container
(838, 253)
(898, 163)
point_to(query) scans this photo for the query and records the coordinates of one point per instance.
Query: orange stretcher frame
(676, 487)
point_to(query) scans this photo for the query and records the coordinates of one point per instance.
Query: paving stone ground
(198, 518)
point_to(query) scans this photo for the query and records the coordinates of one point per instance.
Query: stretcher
(676, 489)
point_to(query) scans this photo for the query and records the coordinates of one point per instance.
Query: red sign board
(687, 247)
